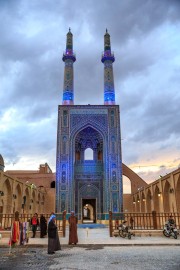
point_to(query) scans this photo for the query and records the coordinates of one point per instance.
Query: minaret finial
(106, 30)
(69, 29)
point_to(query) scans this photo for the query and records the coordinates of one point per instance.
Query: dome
(1, 163)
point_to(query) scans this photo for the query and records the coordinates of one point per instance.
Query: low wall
(6, 234)
(142, 233)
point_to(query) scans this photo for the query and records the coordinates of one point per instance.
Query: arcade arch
(26, 201)
(126, 185)
(166, 197)
(7, 200)
(38, 204)
(148, 201)
(157, 196)
(33, 205)
(18, 198)
(138, 203)
(177, 196)
(143, 201)
(136, 181)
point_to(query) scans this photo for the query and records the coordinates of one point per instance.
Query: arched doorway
(89, 210)
(89, 197)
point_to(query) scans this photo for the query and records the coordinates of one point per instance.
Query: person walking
(53, 238)
(52, 214)
(34, 223)
(43, 226)
(73, 238)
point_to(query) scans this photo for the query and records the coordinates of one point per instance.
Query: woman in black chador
(53, 238)
(43, 226)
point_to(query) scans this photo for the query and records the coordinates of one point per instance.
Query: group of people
(35, 223)
(53, 237)
(52, 230)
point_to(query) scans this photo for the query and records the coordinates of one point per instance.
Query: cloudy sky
(145, 37)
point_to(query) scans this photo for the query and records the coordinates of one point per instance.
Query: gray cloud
(144, 37)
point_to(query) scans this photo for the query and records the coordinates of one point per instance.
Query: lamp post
(1, 193)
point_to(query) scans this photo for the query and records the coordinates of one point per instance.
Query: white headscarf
(51, 217)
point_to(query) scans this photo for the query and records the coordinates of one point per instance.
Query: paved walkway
(101, 237)
(92, 258)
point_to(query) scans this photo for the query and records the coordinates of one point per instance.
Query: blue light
(109, 96)
(68, 96)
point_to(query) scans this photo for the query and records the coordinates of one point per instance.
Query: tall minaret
(69, 58)
(108, 59)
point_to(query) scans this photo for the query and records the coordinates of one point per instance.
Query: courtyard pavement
(101, 237)
(95, 250)
(92, 258)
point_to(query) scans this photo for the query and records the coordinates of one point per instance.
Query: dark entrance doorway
(88, 210)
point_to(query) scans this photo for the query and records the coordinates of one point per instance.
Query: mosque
(90, 187)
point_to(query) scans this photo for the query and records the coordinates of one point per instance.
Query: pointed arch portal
(88, 173)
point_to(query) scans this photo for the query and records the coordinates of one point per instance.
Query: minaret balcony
(70, 56)
(107, 56)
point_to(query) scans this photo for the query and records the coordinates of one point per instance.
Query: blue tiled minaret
(69, 58)
(107, 60)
